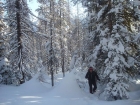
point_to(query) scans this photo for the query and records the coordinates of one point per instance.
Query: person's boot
(94, 91)
(91, 91)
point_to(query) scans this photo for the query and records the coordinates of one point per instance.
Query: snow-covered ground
(66, 92)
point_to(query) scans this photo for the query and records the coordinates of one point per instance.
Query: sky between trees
(33, 5)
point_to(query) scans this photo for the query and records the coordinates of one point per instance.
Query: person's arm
(97, 76)
(86, 76)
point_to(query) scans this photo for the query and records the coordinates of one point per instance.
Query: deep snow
(66, 92)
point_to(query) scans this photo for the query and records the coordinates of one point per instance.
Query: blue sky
(34, 5)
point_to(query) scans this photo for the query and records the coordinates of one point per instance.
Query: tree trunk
(51, 50)
(78, 31)
(110, 17)
(18, 18)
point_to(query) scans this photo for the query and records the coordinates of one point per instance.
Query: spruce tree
(111, 44)
(3, 60)
(20, 32)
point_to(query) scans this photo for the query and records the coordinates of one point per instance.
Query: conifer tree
(2, 46)
(111, 42)
(115, 39)
(20, 34)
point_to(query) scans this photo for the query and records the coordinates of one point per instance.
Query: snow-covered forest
(44, 58)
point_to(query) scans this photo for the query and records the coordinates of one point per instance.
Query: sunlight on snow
(5, 103)
(138, 82)
(30, 97)
(33, 102)
(59, 78)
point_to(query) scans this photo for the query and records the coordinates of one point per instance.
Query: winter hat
(90, 68)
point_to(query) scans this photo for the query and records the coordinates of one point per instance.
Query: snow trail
(67, 92)
(68, 88)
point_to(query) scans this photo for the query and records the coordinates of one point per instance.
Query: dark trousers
(90, 86)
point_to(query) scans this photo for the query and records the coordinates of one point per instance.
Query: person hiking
(91, 75)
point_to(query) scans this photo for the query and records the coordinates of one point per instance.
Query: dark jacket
(92, 76)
